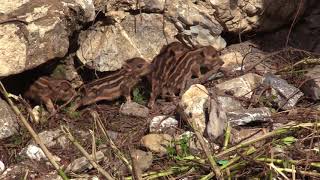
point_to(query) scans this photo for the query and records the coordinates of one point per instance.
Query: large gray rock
(217, 119)
(241, 56)
(106, 47)
(243, 117)
(259, 15)
(304, 34)
(33, 32)
(195, 24)
(8, 120)
(241, 86)
(81, 164)
(283, 93)
(193, 104)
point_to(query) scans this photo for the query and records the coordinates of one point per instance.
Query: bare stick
(294, 22)
(276, 53)
(227, 136)
(68, 134)
(265, 136)
(118, 153)
(206, 150)
(33, 133)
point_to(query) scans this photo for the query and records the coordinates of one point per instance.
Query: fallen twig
(156, 175)
(276, 132)
(206, 150)
(276, 53)
(118, 153)
(227, 136)
(68, 134)
(33, 134)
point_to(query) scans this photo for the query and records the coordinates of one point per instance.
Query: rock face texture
(258, 15)
(106, 47)
(8, 120)
(33, 32)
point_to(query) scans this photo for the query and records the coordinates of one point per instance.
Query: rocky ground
(258, 117)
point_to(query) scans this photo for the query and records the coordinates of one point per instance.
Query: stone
(261, 16)
(144, 159)
(217, 120)
(243, 117)
(202, 36)
(192, 141)
(52, 138)
(157, 143)
(286, 95)
(105, 48)
(162, 123)
(246, 134)
(41, 34)
(81, 164)
(312, 86)
(241, 56)
(8, 120)
(193, 103)
(150, 35)
(87, 7)
(2, 167)
(229, 103)
(152, 5)
(134, 109)
(195, 23)
(232, 60)
(33, 152)
(241, 86)
(36, 112)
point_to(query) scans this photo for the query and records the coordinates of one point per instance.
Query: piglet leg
(49, 104)
(126, 92)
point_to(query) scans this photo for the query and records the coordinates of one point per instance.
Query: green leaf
(289, 140)
(223, 162)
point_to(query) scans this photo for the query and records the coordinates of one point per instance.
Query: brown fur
(172, 69)
(49, 90)
(116, 84)
(162, 64)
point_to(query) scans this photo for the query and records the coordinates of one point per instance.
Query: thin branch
(276, 132)
(294, 22)
(68, 134)
(33, 133)
(115, 149)
(206, 150)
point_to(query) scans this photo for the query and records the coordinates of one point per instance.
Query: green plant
(288, 140)
(171, 151)
(98, 142)
(17, 140)
(182, 144)
(138, 95)
(73, 114)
